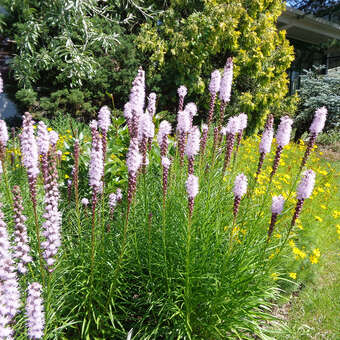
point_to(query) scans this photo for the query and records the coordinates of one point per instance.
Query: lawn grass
(314, 311)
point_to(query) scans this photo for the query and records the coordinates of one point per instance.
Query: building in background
(316, 41)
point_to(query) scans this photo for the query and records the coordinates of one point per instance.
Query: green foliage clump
(70, 55)
(191, 39)
(318, 90)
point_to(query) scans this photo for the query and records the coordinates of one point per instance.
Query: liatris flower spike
(192, 147)
(21, 242)
(29, 152)
(277, 207)
(232, 129)
(240, 188)
(182, 92)
(43, 141)
(9, 288)
(146, 131)
(265, 145)
(225, 87)
(104, 122)
(205, 130)
(183, 127)
(191, 108)
(166, 165)
(243, 120)
(52, 216)
(133, 161)
(304, 191)
(315, 128)
(282, 139)
(84, 202)
(192, 190)
(162, 136)
(151, 108)
(96, 163)
(114, 199)
(136, 100)
(214, 87)
(35, 312)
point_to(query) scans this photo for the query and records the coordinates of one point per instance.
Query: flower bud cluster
(35, 311)
(21, 242)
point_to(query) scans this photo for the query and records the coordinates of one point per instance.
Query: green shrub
(193, 38)
(318, 90)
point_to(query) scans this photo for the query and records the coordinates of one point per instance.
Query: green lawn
(314, 311)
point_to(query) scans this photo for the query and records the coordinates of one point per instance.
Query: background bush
(318, 90)
(70, 55)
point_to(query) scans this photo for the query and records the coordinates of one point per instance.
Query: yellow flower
(67, 176)
(49, 129)
(322, 172)
(68, 131)
(328, 185)
(316, 252)
(323, 206)
(299, 253)
(292, 275)
(292, 243)
(313, 259)
(318, 218)
(336, 214)
(277, 235)
(67, 153)
(274, 276)
(271, 256)
(338, 230)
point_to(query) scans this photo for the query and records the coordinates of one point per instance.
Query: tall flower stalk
(214, 87)
(30, 160)
(146, 132)
(225, 88)
(243, 120)
(192, 188)
(205, 130)
(304, 191)
(9, 287)
(96, 173)
(191, 108)
(192, 147)
(162, 137)
(151, 108)
(265, 144)
(137, 101)
(277, 207)
(240, 189)
(231, 129)
(182, 92)
(104, 122)
(21, 241)
(43, 142)
(282, 139)
(315, 128)
(51, 226)
(35, 312)
(166, 166)
(76, 178)
(183, 127)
